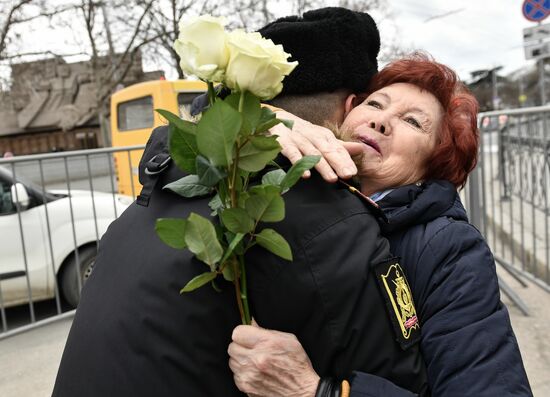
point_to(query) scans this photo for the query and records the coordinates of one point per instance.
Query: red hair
(455, 154)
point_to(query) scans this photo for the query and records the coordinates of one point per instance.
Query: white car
(29, 258)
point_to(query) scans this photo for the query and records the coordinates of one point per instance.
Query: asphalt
(29, 361)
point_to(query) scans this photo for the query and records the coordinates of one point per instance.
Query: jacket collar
(420, 203)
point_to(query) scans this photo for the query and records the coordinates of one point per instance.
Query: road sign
(537, 50)
(535, 33)
(536, 10)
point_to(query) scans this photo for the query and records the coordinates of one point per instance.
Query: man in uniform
(134, 335)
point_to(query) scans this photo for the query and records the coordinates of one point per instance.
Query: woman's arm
(307, 139)
(467, 339)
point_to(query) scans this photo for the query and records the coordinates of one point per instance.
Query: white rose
(256, 64)
(202, 47)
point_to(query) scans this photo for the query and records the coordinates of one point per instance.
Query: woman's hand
(307, 139)
(270, 363)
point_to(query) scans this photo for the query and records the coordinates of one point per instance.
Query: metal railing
(508, 193)
(54, 208)
(506, 197)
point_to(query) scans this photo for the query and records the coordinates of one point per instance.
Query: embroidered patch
(399, 302)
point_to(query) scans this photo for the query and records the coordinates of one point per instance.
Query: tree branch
(9, 22)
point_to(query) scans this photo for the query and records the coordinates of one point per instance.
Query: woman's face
(398, 125)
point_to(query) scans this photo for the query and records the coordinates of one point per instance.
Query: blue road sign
(536, 10)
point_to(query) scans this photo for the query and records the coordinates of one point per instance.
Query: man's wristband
(328, 387)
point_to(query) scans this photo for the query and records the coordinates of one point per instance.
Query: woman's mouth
(369, 142)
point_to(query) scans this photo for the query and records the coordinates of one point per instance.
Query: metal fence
(54, 208)
(508, 194)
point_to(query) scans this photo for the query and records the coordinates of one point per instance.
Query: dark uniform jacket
(135, 335)
(467, 340)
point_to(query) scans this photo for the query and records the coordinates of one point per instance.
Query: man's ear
(351, 101)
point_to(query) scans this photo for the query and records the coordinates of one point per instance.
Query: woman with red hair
(414, 139)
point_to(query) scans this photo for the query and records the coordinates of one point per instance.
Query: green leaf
(189, 186)
(215, 204)
(275, 243)
(266, 115)
(232, 246)
(171, 231)
(253, 158)
(215, 286)
(208, 174)
(265, 142)
(228, 273)
(267, 125)
(217, 133)
(202, 240)
(184, 125)
(199, 281)
(237, 220)
(274, 177)
(287, 123)
(183, 148)
(295, 172)
(266, 205)
(251, 107)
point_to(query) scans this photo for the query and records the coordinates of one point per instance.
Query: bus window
(184, 103)
(135, 114)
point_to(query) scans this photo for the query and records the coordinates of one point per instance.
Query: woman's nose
(378, 126)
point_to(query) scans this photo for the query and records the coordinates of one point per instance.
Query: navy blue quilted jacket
(467, 339)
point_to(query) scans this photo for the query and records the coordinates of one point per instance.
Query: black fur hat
(336, 49)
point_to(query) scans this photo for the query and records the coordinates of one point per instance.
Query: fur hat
(336, 48)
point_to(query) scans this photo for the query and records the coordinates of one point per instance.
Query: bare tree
(13, 12)
(111, 60)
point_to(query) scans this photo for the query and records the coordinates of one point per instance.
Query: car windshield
(6, 175)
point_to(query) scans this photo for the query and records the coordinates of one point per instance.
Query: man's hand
(307, 139)
(270, 363)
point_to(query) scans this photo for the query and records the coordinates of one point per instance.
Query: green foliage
(287, 123)
(233, 246)
(265, 204)
(222, 155)
(251, 110)
(172, 231)
(228, 273)
(274, 177)
(201, 238)
(295, 172)
(199, 281)
(217, 133)
(237, 220)
(177, 122)
(189, 186)
(256, 153)
(267, 120)
(183, 148)
(208, 174)
(275, 243)
(215, 204)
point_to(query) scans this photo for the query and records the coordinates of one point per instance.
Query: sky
(474, 35)
(481, 34)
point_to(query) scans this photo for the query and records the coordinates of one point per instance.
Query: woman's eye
(414, 122)
(375, 104)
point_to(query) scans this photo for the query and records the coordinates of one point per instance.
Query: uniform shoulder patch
(399, 302)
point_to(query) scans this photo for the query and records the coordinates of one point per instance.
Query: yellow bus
(133, 118)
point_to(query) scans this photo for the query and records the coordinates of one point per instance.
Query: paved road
(29, 361)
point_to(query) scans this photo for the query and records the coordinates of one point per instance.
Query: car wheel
(69, 277)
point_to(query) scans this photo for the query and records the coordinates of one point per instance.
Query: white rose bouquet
(229, 145)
